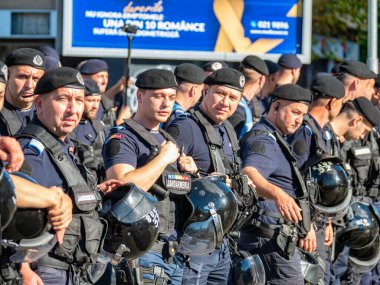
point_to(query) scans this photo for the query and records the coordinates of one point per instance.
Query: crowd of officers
(252, 128)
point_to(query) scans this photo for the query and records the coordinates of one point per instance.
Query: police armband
(304, 226)
(177, 183)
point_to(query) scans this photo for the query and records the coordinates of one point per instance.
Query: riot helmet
(247, 269)
(329, 187)
(7, 198)
(214, 210)
(132, 222)
(365, 258)
(28, 233)
(310, 264)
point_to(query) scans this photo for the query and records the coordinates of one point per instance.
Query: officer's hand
(169, 152)
(329, 234)
(187, 164)
(288, 207)
(29, 277)
(309, 243)
(60, 218)
(110, 185)
(227, 179)
(11, 152)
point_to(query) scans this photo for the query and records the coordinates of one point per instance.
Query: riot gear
(361, 234)
(310, 264)
(329, 187)
(132, 222)
(7, 199)
(247, 269)
(214, 212)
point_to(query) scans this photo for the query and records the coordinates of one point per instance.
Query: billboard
(188, 29)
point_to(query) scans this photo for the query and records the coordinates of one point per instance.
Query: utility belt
(167, 248)
(286, 236)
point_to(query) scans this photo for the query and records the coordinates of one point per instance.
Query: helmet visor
(202, 237)
(33, 249)
(251, 271)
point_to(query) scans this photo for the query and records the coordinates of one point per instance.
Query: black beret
(156, 79)
(368, 110)
(377, 81)
(189, 72)
(3, 72)
(255, 63)
(272, 66)
(51, 62)
(49, 51)
(227, 77)
(57, 78)
(292, 92)
(357, 69)
(214, 65)
(26, 56)
(327, 85)
(93, 66)
(92, 88)
(289, 61)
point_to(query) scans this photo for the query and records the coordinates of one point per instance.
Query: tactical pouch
(70, 240)
(84, 200)
(286, 240)
(361, 162)
(304, 226)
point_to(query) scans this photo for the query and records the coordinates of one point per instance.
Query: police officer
(190, 85)
(3, 82)
(290, 69)
(311, 140)
(250, 108)
(139, 152)
(357, 78)
(270, 83)
(97, 70)
(269, 162)
(208, 137)
(25, 68)
(89, 136)
(50, 161)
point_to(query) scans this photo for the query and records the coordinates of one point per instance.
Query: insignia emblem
(242, 81)
(4, 70)
(37, 60)
(216, 65)
(80, 78)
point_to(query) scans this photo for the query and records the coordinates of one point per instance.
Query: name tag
(85, 199)
(177, 183)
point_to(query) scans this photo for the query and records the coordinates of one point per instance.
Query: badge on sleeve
(258, 147)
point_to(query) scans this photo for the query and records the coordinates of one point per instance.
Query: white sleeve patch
(37, 145)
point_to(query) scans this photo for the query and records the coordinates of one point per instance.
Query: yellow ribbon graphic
(231, 34)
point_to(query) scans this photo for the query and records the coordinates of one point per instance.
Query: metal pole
(372, 60)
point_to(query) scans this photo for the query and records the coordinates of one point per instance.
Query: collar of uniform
(315, 121)
(177, 107)
(83, 121)
(264, 121)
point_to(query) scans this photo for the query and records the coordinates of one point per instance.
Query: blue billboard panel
(194, 29)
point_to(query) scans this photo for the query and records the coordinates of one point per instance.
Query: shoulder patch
(258, 147)
(173, 131)
(112, 148)
(116, 129)
(114, 136)
(36, 145)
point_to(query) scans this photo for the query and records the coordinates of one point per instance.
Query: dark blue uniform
(85, 133)
(125, 147)
(305, 145)
(211, 268)
(13, 119)
(262, 152)
(40, 167)
(242, 119)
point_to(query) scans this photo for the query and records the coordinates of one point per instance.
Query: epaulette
(309, 130)
(36, 145)
(116, 129)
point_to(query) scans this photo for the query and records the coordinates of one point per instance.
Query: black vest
(109, 114)
(84, 236)
(11, 121)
